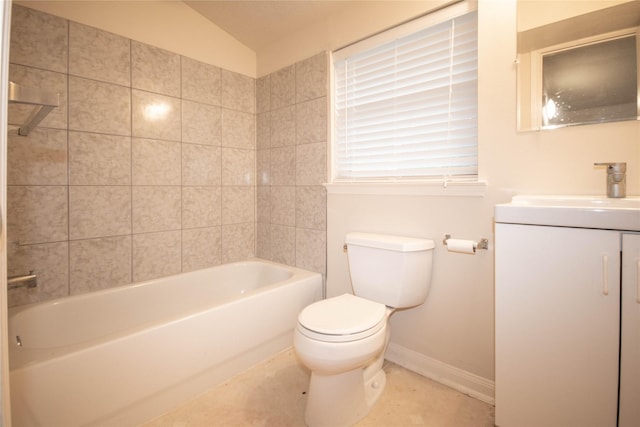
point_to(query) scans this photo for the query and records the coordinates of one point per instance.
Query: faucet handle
(613, 167)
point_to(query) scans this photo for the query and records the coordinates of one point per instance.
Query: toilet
(342, 339)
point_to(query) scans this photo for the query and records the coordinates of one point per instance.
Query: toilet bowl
(342, 339)
(340, 334)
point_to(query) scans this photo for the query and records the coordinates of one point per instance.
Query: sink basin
(572, 211)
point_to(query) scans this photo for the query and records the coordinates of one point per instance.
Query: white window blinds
(408, 108)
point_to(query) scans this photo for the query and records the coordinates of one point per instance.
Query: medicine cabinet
(580, 69)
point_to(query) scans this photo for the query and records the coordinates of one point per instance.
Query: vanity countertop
(572, 211)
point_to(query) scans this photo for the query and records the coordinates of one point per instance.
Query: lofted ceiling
(259, 23)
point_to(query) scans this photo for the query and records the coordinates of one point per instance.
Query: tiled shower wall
(291, 164)
(148, 167)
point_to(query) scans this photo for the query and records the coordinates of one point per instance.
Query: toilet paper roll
(461, 246)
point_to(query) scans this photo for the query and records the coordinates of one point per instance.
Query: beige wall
(357, 21)
(532, 15)
(455, 326)
(170, 25)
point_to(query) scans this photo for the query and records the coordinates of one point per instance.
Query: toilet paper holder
(480, 244)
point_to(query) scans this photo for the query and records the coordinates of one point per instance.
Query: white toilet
(342, 339)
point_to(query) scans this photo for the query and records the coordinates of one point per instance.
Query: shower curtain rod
(43, 101)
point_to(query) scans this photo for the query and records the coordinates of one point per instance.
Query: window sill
(434, 188)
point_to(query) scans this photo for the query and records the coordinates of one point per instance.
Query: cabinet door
(630, 333)
(557, 326)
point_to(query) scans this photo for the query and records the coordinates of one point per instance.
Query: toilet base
(344, 399)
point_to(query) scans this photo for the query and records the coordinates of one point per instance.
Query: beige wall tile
(99, 211)
(164, 182)
(156, 208)
(156, 255)
(263, 240)
(311, 164)
(263, 94)
(311, 77)
(263, 201)
(99, 107)
(238, 92)
(238, 129)
(283, 127)
(298, 115)
(49, 262)
(177, 204)
(283, 205)
(154, 69)
(238, 242)
(263, 167)
(201, 82)
(283, 166)
(97, 159)
(201, 206)
(201, 123)
(201, 165)
(37, 214)
(37, 159)
(263, 131)
(99, 55)
(311, 121)
(311, 207)
(38, 39)
(283, 87)
(283, 244)
(156, 116)
(97, 264)
(238, 204)
(238, 166)
(311, 249)
(201, 248)
(156, 162)
(45, 80)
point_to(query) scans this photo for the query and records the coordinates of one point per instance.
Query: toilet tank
(392, 270)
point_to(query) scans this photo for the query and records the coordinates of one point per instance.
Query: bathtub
(128, 354)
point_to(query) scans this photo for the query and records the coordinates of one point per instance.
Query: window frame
(462, 186)
(536, 72)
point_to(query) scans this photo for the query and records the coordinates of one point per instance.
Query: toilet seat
(342, 318)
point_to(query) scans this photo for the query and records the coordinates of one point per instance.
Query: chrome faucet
(616, 179)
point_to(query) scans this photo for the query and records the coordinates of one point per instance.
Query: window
(405, 102)
(590, 83)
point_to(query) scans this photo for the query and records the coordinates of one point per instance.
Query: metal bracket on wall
(42, 100)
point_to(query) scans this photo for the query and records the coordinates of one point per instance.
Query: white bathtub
(125, 355)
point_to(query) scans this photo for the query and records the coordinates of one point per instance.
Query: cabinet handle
(605, 275)
(638, 281)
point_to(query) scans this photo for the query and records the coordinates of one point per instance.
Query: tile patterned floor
(274, 394)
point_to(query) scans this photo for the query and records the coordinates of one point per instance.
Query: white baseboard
(456, 378)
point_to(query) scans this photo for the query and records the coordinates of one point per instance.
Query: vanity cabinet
(557, 326)
(567, 306)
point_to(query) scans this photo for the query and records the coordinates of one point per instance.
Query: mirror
(577, 62)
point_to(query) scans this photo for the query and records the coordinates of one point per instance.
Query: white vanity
(567, 311)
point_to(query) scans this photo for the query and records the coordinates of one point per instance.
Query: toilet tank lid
(389, 242)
